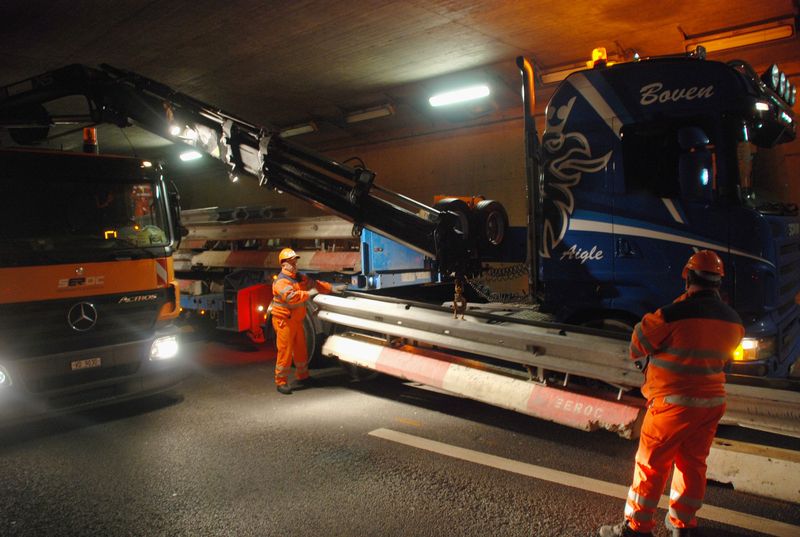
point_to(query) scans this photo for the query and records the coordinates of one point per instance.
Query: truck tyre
(461, 209)
(311, 341)
(490, 225)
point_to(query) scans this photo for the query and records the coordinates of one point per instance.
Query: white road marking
(709, 512)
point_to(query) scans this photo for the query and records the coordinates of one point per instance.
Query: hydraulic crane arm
(119, 97)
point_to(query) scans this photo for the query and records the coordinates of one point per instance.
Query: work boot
(621, 530)
(285, 389)
(678, 532)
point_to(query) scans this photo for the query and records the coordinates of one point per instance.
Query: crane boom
(119, 97)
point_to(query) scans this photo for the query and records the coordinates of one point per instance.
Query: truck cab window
(650, 157)
(667, 160)
(85, 215)
(765, 176)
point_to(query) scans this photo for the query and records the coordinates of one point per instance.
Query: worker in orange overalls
(682, 349)
(290, 292)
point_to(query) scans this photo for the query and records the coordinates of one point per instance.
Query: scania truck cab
(87, 292)
(644, 163)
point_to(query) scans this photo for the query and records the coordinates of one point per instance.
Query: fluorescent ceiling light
(186, 156)
(369, 113)
(743, 37)
(303, 128)
(460, 95)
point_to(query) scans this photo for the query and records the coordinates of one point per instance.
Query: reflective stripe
(698, 354)
(686, 368)
(698, 402)
(638, 499)
(282, 304)
(639, 516)
(635, 352)
(643, 340)
(283, 292)
(684, 516)
(675, 496)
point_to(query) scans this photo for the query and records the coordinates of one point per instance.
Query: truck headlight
(5, 378)
(751, 349)
(164, 348)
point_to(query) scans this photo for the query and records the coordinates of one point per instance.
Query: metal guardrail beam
(590, 356)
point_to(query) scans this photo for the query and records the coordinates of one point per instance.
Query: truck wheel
(491, 224)
(311, 341)
(461, 209)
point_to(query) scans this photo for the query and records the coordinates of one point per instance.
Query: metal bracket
(263, 151)
(363, 184)
(233, 156)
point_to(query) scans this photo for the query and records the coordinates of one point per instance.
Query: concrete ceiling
(279, 63)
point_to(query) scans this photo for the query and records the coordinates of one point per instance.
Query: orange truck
(87, 288)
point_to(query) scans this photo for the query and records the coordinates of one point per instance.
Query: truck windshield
(59, 220)
(766, 179)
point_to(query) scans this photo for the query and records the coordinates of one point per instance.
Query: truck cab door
(664, 211)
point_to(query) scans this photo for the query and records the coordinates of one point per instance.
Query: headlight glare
(751, 349)
(164, 348)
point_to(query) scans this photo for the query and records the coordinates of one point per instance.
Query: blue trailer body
(645, 163)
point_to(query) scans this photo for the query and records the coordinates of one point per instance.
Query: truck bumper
(70, 381)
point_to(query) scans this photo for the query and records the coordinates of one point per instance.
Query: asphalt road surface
(228, 455)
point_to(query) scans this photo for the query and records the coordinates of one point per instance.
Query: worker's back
(697, 338)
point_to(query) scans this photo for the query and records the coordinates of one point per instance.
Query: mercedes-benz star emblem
(82, 316)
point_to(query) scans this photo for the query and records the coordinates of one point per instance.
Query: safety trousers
(291, 343)
(671, 434)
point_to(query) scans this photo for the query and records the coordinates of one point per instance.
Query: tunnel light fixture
(296, 130)
(460, 95)
(754, 34)
(188, 156)
(375, 112)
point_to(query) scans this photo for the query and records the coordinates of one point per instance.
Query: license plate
(85, 364)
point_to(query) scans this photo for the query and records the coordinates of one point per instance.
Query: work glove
(339, 288)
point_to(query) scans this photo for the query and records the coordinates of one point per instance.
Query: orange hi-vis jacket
(290, 292)
(689, 343)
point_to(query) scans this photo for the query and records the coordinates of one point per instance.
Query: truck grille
(788, 286)
(42, 328)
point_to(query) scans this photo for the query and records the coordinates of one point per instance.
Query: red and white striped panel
(162, 272)
(545, 402)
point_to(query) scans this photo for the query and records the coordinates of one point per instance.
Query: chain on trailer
(482, 284)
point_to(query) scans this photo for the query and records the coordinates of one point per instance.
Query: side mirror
(690, 138)
(178, 231)
(696, 166)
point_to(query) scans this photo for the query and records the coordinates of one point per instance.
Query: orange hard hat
(286, 253)
(707, 263)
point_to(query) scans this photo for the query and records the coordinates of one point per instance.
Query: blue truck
(643, 163)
